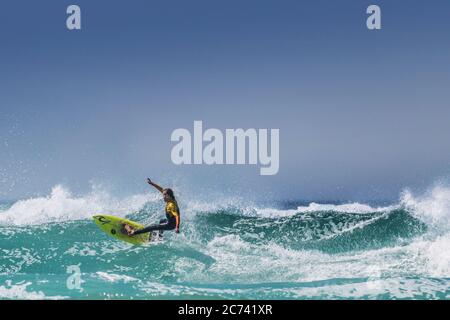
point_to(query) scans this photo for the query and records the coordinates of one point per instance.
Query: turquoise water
(228, 250)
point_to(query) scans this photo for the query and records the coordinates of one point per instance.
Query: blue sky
(362, 114)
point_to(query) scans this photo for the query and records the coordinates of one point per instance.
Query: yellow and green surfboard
(114, 226)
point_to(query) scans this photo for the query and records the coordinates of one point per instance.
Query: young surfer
(172, 220)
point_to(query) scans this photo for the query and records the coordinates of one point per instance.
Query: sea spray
(228, 249)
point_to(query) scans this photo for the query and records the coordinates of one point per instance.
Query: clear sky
(362, 114)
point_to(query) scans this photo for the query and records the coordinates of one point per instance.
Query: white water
(61, 205)
(238, 261)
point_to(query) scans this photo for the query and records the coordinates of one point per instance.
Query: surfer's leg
(160, 233)
(165, 225)
(147, 229)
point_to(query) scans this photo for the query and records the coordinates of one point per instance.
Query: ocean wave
(61, 205)
(432, 207)
(19, 292)
(230, 249)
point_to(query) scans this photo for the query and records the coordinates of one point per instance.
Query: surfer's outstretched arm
(150, 182)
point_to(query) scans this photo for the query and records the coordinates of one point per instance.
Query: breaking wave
(228, 250)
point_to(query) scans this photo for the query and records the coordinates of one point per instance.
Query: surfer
(172, 220)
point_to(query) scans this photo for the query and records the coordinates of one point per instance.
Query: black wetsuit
(164, 224)
(171, 222)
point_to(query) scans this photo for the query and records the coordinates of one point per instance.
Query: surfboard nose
(99, 218)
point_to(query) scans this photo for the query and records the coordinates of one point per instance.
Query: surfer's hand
(149, 181)
(177, 230)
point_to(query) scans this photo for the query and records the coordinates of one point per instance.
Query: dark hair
(170, 193)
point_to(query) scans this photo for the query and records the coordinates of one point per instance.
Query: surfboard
(114, 226)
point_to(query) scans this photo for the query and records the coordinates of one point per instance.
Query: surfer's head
(168, 194)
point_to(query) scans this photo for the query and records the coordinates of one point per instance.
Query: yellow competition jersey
(172, 211)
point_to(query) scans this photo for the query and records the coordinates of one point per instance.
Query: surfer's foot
(129, 229)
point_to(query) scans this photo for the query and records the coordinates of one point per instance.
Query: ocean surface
(228, 249)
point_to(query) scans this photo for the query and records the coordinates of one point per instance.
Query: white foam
(267, 212)
(19, 292)
(399, 288)
(61, 205)
(111, 277)
(344, 208)
(275, 213)
(433, 207)
(235, 260)
(430, 257)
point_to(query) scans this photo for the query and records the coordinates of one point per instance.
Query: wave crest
(61, 205)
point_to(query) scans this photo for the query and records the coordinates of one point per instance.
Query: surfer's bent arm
(177, 226)
(150, 182)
